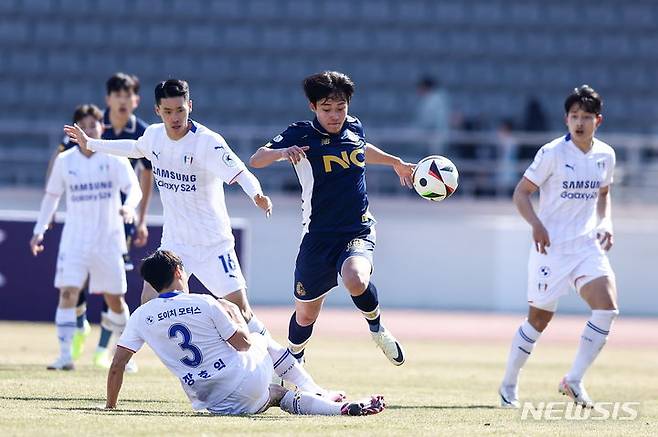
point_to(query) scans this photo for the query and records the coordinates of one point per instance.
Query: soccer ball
(435, 178)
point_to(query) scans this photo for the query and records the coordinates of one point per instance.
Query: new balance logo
(569, 166)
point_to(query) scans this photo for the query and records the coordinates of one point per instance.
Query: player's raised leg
(523, 343)
(601, 296)
(355, 271)
(65, 322)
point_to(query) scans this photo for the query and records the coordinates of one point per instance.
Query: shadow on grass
(56, 399)
(168, 413)
(441, 407)
(132, 412)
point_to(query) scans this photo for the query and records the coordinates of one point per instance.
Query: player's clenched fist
(35, 244)
(264, 203)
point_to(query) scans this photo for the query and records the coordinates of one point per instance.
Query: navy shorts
(321, 257)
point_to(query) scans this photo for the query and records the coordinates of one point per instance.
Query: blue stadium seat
(14, 31)
(38, 7)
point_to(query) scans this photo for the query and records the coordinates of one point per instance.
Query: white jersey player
(93, 240)
(205, 343)
(190, 165)
(572, 231)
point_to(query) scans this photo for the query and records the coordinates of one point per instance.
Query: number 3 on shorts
(228, 263)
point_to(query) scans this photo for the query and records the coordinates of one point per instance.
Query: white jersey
(188, 332)
(92, 186)
(569, 182)
(190, 174)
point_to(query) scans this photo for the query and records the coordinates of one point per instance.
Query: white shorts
(554, 275)
(218, 271)
(253, 393)
(106, 271)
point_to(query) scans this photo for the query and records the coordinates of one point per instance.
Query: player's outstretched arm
(115, 375)
(265, 156)
(404, 170)
(521, 197)
(127, 148)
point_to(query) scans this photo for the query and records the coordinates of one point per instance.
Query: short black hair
(171, 88)
(328, 84)
(158, 268)
(586, 98)
(87, 109)
(122, 82)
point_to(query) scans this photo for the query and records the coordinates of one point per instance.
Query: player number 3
(186, 344)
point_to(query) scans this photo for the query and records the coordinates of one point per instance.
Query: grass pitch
(444, 388)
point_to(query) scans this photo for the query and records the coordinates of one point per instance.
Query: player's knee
(356, 283)
(68, 297)
(304, 318)
(540, 321)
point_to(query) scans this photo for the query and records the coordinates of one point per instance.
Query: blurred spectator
(506, 174)
(534, 118)
(433, 113)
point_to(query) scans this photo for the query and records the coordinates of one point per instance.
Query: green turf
(442, 389)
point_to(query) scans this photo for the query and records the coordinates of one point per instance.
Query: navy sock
(104, 340)
(368, 303)
(80, 320)
(298, 336)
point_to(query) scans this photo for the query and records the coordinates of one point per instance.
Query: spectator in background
(507, 153)
(534, 118)
(433, 113)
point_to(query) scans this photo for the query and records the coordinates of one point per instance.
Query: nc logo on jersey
(544, 271)
(299, 289)
(104, 167)
(356, 157)
(325, 141)
(187, 159)
(600, 164)
(149, 320)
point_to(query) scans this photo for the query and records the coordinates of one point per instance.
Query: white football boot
(509, 397)
(389, 345)
(576, 391)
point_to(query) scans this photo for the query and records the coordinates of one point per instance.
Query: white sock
(289, 369)
(592, 341)
(308, 403)
(117, 321)
(66, 325)
(522, 345)
(256, 326)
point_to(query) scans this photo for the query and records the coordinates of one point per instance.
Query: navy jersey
(333, 177)
(133, 130)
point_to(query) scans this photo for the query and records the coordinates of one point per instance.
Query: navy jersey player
(329, 155)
